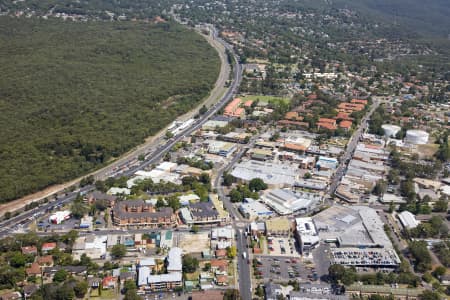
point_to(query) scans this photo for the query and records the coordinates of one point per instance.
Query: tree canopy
(70, 105)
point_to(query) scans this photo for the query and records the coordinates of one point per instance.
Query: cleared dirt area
(194, 243)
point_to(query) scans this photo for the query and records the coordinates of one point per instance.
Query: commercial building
(273, 174)
(221, 148)
(59, 217)
(408, 220)
(204, 213)
(358, 233)
(140, 213)
(359, 237)
(306, 234)
(94, 246)
(286, 201)
(252, 209)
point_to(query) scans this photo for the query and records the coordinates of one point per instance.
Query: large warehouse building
(358, 237)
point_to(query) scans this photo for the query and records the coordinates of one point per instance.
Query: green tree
(194, 228)
(78, 209)
(118, 251)
(231, 252)
(257, 184)
(228, 179)
(441, 205)
(18, 260)
(80, 288)
(132, 295)
(380, 188)
(190, 264)
(235, 196)
(429, 295)
(60, 276)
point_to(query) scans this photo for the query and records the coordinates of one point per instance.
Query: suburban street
(245, 282)
(351, 146)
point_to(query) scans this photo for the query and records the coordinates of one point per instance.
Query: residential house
(29, 250)
(33, 270)
(109, 282)
(45, 261)
(46, 247)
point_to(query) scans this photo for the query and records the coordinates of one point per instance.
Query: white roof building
(408, 220)
(253, 209)
(174, 260)
(118, 191)
(285, 201)
(279, 174)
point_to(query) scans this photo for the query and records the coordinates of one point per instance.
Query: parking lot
(282, 268)
(280, 246)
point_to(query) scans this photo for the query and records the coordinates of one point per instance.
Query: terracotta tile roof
(326, 120)
(345, 124)
(219, 263)
(294, 147)
(248, 103)
(34, 269)
(48, 246)
(360, 101)
(29, 250)
(293, 123)
(326, 126)
(45, 260)
(222, 278)
(221, 253)
(108, 281)
(343, 116)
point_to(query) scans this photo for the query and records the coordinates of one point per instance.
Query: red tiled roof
(48, 246)
(34, 269)
(222, 278)
(326, 120)
(29, 250)
(360, 101)
(294, 147)
(219, 263)
(248, 103)
(108, 280)
(326, 126)
(345, 124)
(221, 253)
(294, 123)
(45, 260)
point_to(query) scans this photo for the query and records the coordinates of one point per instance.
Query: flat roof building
(252, 209)
(273, 174)
(285, 201)
(408, 220)
(306, 234)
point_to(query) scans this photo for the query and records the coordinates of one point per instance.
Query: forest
(75, 95)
